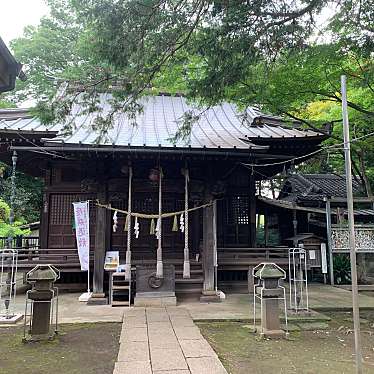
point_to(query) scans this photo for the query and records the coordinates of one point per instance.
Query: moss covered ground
(329, 351)
(78, 349)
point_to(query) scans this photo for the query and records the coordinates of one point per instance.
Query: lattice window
(238, 210)
(364, 238)
(61, 208)
(145, 205)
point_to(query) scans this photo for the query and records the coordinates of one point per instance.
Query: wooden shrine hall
(138, 169)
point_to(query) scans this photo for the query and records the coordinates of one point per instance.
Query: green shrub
(342, 269)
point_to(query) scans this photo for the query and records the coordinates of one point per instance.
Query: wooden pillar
(44, 214)
(252, 211)
(208, 256)
(208, 248)
(101, 240)
(266, 228)
(195, 224)
(44, 222)
(294, 222)
(329, 242)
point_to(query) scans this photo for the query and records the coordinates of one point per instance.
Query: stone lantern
(269, 291)
(43, 295)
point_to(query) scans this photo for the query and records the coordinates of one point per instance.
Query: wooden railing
(20, 242)
(63, 259)
(242, 258)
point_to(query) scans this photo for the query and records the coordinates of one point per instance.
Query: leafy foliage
(257, 52)
(342, 269)
(7, 230)
(28, 199)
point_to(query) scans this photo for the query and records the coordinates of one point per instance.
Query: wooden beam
(355, 200)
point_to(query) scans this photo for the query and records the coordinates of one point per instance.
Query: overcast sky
(16, 14)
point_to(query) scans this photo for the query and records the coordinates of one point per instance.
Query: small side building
(314, 206)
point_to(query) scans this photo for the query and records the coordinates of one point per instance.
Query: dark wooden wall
(67, 182)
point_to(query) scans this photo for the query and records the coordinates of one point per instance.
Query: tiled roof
(300, 187)
(290, 205)
(21, 120)
(221, 126)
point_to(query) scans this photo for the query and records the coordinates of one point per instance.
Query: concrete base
(273, 334)
(10, 321)
(97, 299)
(85, 297)
(145, 301)
(210, 297)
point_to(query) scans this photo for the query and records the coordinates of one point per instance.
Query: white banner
(323, 258)
(82, 232)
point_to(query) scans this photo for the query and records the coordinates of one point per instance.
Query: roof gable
(300, 187)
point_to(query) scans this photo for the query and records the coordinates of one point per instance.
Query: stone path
(164, 341)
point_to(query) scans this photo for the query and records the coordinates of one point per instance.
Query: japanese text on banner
(82, 233)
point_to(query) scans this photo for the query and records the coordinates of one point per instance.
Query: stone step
(116, 287)
(192, 271)
(188, 291)
(120, 303)
(189, 280)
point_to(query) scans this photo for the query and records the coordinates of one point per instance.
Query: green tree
(257, 52)
(28, 198)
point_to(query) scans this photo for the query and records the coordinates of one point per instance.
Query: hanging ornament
(157, 230)
(136, 228)
(175, 224)
(115, 221)
(152, 227)
(126, 227)
(181, 222)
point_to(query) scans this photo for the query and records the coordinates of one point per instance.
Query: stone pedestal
(209, 297)
(97, 299)
(10, 320)
(153, 291)
(270, 323)
(269, 293)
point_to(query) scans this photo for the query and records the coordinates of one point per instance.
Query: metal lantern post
(298, 279)
(9, 263)
(8, 279)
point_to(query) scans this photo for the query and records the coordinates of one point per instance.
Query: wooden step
(192, 271)
(189, 291)
(120, 303)
(116, 287)
(189, 280)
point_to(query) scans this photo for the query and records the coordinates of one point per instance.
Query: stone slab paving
(164, 341)
(236, 306)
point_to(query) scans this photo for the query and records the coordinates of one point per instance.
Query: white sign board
(323, 258)
(82, 233)
(111, 260)
(312, 254)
